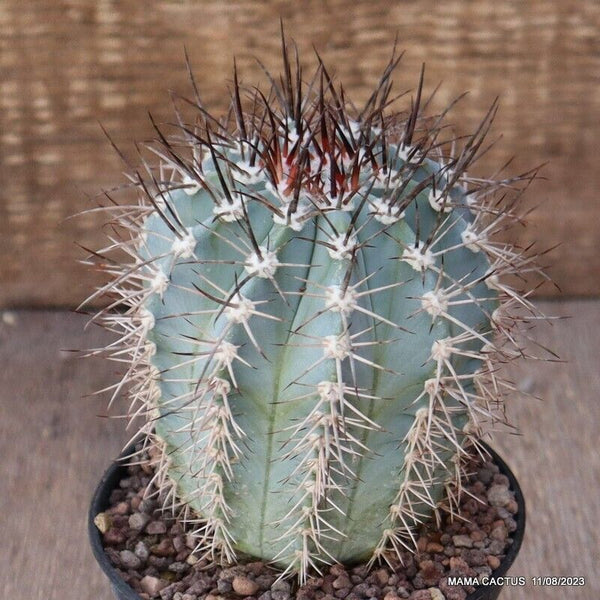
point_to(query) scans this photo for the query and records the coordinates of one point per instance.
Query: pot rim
(114, 473)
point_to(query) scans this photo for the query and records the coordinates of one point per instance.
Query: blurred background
(67, 66)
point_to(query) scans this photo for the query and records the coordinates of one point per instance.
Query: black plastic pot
(122, 591)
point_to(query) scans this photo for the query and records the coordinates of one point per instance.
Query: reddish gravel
(153, 554)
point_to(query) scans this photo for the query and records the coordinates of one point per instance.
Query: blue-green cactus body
(314, 312)
(381, 329)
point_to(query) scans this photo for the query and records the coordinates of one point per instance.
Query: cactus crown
(315, 310)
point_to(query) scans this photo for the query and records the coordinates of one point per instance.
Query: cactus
(315, 313)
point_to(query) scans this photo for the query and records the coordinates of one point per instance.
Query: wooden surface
(54, 447)
(67, 64)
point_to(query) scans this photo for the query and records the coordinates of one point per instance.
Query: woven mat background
(68, 64)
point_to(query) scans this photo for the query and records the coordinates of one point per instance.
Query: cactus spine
(314, 318)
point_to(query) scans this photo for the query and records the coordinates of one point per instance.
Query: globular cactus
(314, 317)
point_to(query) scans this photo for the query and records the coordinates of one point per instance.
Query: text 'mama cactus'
(314, 316)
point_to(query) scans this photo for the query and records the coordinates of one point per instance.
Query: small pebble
(382, 576)
(337, 570)
(156, 528)
(459, 565)
(141, 551)
(499, 495)
(462, 541)
(103, 522)
(178, 567)
(129, 560)
(474, 556)
(496, 547)
(152, 585)
(483, 571)
(511, 524)
(361, 589)
(281, 586)
(147, 505)
(138, 520)
(342, 582)
(501, 479)
(244, 586)
(265, 581)
(477, 535)
(121, 509)
(163, 548)
(159, 562)
(499, 533)
(430, 572)
(114, 537)
(485, 475)
(420, 595)
(179, 543)
(434, 547)
(452, 592)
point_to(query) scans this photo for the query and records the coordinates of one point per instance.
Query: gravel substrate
(153, 554)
